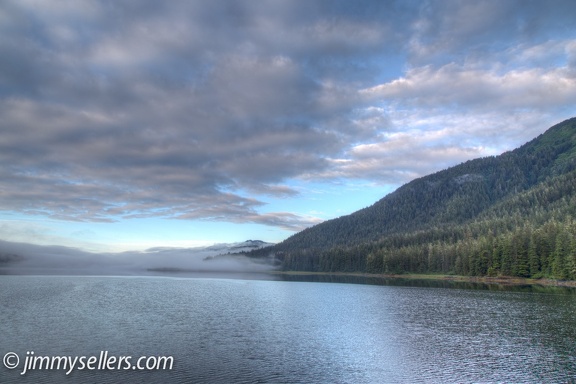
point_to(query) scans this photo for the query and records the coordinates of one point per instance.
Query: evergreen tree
(533, 259)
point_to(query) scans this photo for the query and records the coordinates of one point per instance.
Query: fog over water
(23, 258)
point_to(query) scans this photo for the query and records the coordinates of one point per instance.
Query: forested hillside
(509, 215)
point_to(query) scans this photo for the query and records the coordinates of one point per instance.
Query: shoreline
(498, 280)
(501, 280)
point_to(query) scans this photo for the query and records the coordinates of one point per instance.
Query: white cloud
(436, 116)
(454, 85)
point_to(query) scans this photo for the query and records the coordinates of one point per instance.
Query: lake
(234, 330)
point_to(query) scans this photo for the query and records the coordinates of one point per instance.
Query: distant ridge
(487, 200)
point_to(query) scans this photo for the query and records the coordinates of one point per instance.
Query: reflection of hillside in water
(425, 283)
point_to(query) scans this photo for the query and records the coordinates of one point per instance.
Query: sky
(126, 125)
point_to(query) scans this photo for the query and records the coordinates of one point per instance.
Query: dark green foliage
(508, 215)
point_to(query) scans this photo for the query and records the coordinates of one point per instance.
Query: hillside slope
(483, 200)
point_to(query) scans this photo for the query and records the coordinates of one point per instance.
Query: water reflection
(225, 330)
(425, 283)
(312, 278)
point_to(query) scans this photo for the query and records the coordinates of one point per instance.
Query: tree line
(530, 234)
(506, 215)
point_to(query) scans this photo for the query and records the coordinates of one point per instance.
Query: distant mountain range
(22, 258)
(510, 215)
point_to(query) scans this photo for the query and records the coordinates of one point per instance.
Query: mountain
(482, 217)
(23, 258)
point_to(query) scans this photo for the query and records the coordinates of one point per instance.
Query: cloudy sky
(132, 124)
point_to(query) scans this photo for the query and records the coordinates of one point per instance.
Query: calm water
(258, 331)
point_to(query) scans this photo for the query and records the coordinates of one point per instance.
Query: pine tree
(559, 269)
(533, 259)
(506, 256)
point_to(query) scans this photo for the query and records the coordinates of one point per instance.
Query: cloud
(118, 111)
(456, 29)
(437, 116)
(401, 157)
(415, 144)
(114, 110)
(455, 85)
